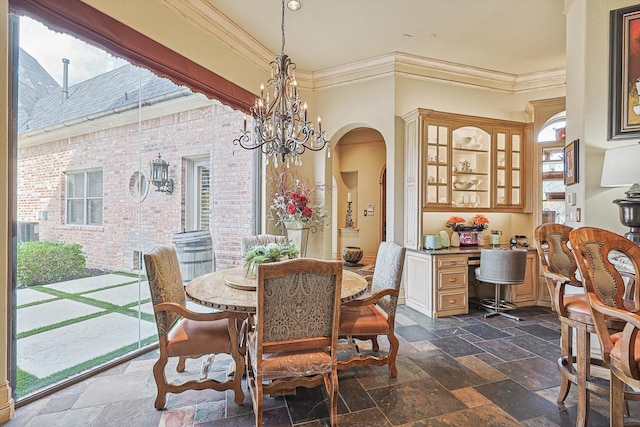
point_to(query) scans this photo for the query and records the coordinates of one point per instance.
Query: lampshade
(621, 166)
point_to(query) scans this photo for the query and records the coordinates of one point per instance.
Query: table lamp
(621, 169)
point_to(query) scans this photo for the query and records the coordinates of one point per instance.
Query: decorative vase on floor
(352, 255)
(455, 240)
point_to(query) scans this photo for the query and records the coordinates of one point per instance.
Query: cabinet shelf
(469, 173)
(471, 150)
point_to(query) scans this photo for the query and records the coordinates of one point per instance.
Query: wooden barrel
(195, 253)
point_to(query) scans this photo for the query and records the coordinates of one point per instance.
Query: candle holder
(349, 220)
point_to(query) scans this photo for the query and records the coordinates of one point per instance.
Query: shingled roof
(43, 105)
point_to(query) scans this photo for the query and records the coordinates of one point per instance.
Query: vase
(455, 240)
(352, 255)
(298, 233)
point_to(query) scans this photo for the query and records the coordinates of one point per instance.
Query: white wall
(588, 53)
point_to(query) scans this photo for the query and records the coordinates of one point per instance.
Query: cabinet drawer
(451, 261)
(452, 300)
(452, 279)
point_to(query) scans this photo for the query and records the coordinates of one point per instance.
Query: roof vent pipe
(65, 79)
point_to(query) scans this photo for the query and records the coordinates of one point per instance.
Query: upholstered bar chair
(366, 318)
(294, 341)
(183, 333)
(501, 267)
(611, 308)
(559, 267)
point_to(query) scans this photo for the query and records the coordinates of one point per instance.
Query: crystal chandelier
(280, 126)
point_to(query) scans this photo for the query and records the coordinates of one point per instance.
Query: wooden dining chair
(374, 315)
(559, 268)
(294, 340)
(183, 333)
(612, 308)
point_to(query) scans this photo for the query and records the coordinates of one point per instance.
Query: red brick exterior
(128, 225)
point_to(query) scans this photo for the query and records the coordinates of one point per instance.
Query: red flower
(291, 209)
(307, 212)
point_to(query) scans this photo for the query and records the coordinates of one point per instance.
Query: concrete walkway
(78, 339)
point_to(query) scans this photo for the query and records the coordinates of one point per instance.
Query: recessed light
(294, 4)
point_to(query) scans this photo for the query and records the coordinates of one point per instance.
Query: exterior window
(204, 207)
(84, 198)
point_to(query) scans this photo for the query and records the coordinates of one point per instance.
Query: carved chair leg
(616, 405)
(161, 382)
(583, 341)
(181, 363)
(394, 345)
(565, 361)
(374, 343)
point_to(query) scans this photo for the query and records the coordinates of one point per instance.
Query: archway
(359, 171)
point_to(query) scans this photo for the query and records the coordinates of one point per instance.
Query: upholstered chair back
(596, 250)
(299, 304)
(260, 239)
(552, 242)
(165, 284)
(502, 266)
(388, 273)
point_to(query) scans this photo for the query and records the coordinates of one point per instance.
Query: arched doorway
(359, 170)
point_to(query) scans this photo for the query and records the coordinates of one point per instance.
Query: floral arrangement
(480, 221)
(271, 252)
(294, 200)
(456, 223)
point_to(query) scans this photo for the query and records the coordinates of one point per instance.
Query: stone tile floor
(457, 371)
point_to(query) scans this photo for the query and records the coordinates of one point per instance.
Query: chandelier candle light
(281, 128)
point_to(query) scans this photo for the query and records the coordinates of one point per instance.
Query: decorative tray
(239, 281)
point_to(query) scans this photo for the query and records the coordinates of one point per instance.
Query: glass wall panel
(89, 129)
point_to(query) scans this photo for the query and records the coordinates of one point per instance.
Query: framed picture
(571, 162)
(624, 73)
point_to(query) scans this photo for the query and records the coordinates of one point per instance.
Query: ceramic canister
(432, 241)
(444, 239)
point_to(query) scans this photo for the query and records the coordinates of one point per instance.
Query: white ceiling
(509, 36)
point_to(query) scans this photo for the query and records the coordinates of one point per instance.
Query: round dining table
(224, 290)
(231, 291)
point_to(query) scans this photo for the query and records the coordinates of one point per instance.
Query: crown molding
(207, 18)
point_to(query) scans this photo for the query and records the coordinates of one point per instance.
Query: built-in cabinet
(440, 283)
(456, 162)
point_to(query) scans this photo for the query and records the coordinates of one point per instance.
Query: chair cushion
(289, 364)
(577, 307)
(364, 320)
(616, 351)
(195, 337)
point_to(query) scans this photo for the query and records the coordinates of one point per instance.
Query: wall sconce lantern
(160, 175)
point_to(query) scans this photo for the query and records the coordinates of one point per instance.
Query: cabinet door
(470, 166)
(436, 158)
(509, 169)
(418, 283)
(527, 293)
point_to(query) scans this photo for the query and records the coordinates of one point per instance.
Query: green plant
(39, 263)
(267, 253)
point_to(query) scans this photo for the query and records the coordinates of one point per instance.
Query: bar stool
(559, 268)
(501, 267)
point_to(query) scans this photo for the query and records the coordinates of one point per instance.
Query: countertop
(465, 250)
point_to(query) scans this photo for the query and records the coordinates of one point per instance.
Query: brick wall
(130, 225)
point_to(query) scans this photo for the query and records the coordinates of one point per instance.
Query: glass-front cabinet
(508, 168)
(467, 162)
